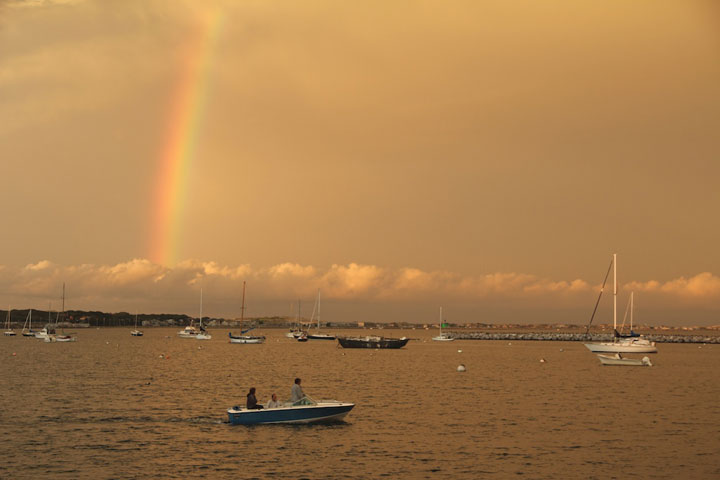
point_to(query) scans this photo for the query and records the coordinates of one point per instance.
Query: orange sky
(486, 155)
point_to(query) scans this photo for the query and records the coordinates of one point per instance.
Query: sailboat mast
(441, 321)
(201, 309)
(614, 292)
(318, 327)
(242, 308)
(632, 307)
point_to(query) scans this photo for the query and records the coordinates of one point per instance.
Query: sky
(486, 156)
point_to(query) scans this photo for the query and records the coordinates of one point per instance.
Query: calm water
(109, 406)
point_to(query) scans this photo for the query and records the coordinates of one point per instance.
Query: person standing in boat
(296, 393)
(273, 403)
(252, 403)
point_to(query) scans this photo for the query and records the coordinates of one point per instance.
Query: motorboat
(188, 332)
(618, 359)
(372, 341)
(305, 410)
(302, 337)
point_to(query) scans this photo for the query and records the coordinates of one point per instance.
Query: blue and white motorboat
(306, 410)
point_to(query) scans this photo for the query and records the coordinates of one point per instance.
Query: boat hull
(372, 342)
(320, 413)
(136, 333)
(443, 338)
(321, 337)
(620, 361)
(250, 339)
(609, 347)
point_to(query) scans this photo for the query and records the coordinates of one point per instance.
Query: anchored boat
(618, 359)
(372, 341)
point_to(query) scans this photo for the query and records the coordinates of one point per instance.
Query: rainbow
(179, 146)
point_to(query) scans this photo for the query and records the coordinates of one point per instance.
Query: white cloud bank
(139, 283)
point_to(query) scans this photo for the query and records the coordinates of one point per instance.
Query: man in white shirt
(273, 403)
(296, 393)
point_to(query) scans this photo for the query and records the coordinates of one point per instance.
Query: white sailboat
(443, 337)
(60, 337)
(203, 334)
(9, 332)
(317, 335)
(297, 331)
(253, 339)
(136, 332)
(621, 345)
(27, 330)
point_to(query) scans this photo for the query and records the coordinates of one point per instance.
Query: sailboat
(27, 330)
(296, 332)
(136, 332)
(244, 338)
(317, 335)
(61, 337)
(9, 332)
(619, 344)
(443, 337)
(203, 334)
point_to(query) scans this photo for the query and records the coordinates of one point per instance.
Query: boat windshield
(304, 401)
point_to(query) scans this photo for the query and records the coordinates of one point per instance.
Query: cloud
(701, 286)
(140, 283)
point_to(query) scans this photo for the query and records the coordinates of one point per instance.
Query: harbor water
(115, 406)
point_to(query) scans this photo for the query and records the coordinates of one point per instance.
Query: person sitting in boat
(252, 403)
(273, 403)
(296, 393)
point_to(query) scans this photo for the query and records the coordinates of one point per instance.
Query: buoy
(542, 360)
(461, 368)
(162, 355)
(562, 350)
(459, 351)
(14, 354)
(509, 343)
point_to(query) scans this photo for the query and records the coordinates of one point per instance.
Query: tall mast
(200, 308)
(632, 307)
(318, 327)
(614, 292)
(242, 308)
(441, 321)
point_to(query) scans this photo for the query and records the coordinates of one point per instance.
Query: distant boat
(27, 330)
(202, 334)
(372, 341)
(619, 345)
(251, 339)
(9, 332)
(442, 337)
(136, 332)
(296, 332)
(617, 359)
(60, 337)
(189, 332)
(306, 410)
(317, 335)
(302, 337)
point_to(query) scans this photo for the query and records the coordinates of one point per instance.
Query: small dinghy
(306, 410)
(618, 359)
